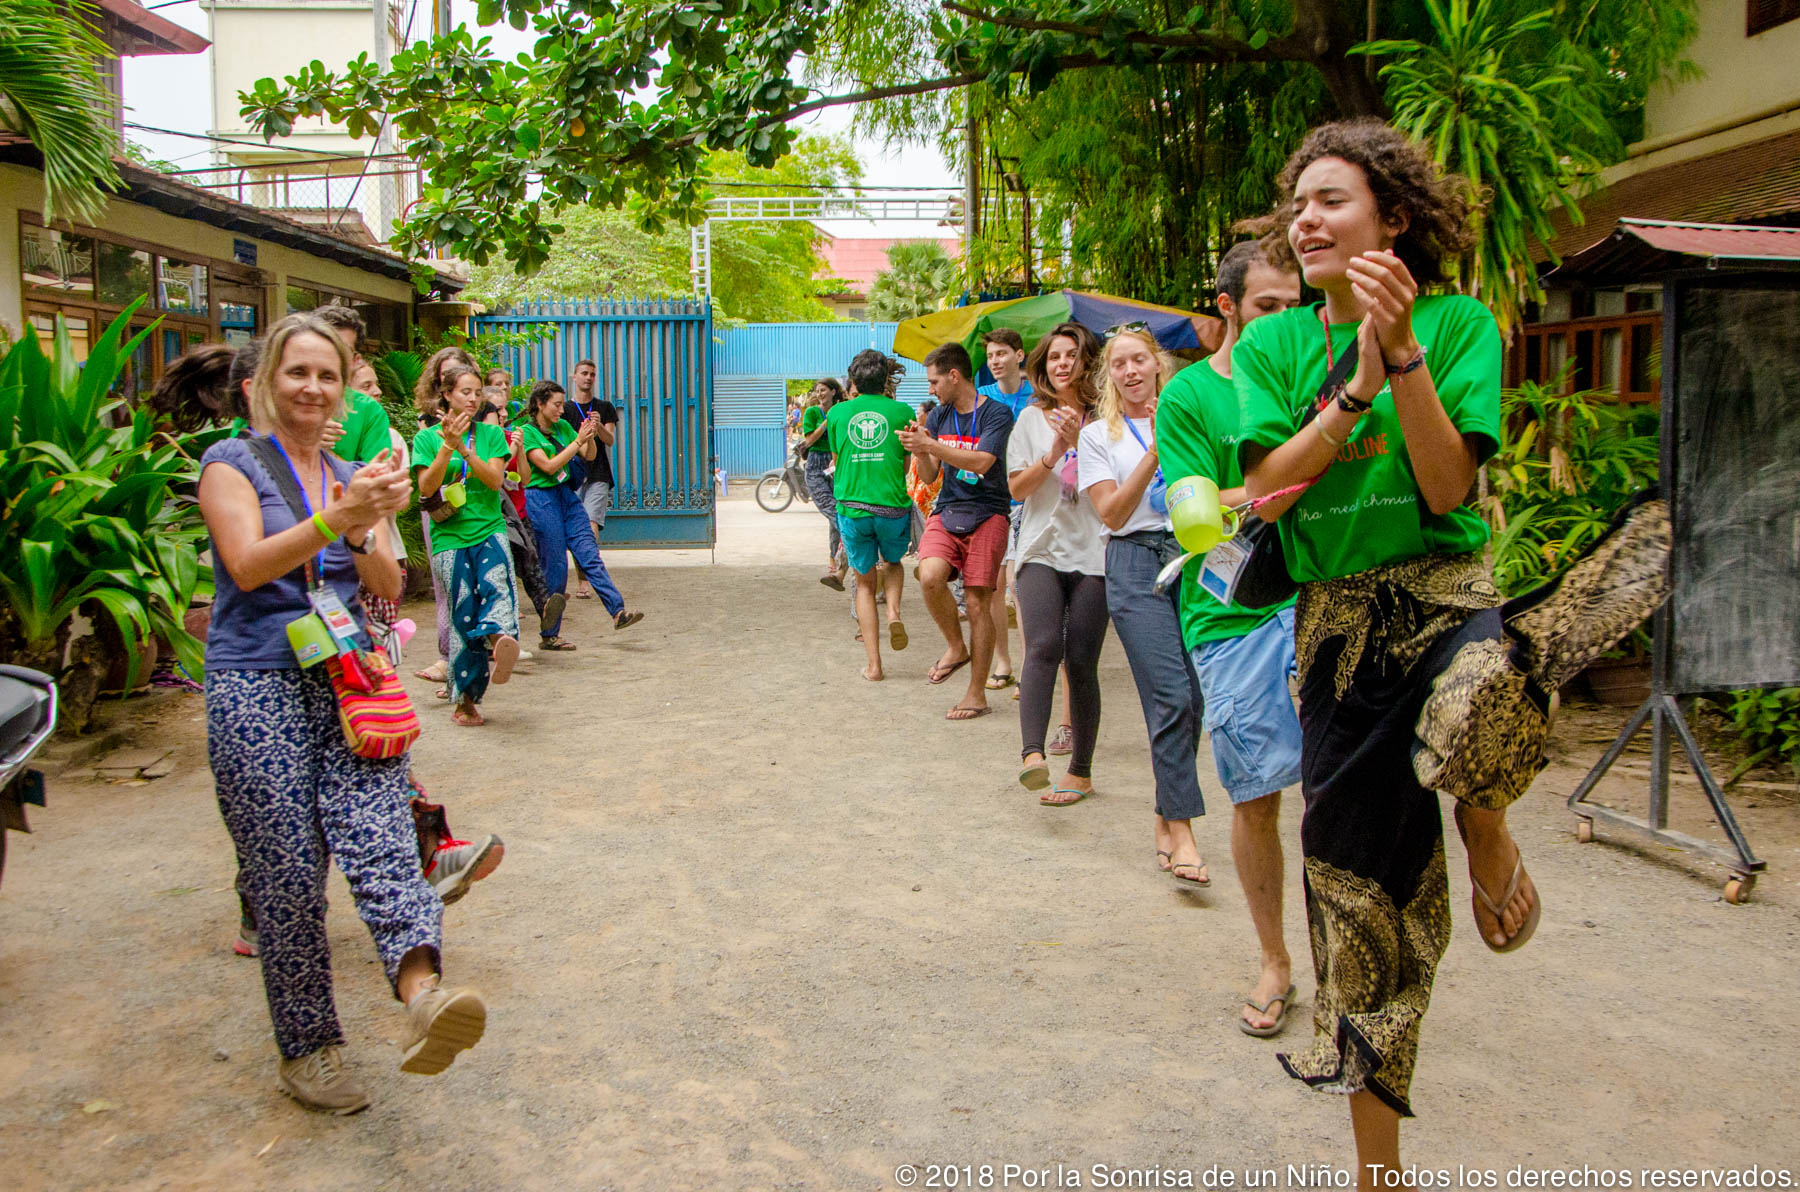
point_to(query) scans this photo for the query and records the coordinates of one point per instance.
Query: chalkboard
(1736, 599)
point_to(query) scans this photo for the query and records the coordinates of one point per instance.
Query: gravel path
(762, 924)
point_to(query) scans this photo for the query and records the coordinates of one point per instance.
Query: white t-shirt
(1061, 533)
(1106, 458)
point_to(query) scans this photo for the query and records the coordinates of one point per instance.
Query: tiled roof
(1750, 183)
(1642, 248)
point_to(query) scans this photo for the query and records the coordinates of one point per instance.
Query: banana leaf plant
(96, 513)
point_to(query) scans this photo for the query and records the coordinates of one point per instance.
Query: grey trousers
(1150, 630)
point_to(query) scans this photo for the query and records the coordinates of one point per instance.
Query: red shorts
(976, 557)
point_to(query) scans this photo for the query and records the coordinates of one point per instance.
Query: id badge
(337, 618)
(1220, 569)
(967, 477)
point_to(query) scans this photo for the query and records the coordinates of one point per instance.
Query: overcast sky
(174, 92)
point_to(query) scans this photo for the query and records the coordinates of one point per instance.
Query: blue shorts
(870, 538)
(1250, 716)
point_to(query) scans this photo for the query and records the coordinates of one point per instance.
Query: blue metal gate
(655, 363)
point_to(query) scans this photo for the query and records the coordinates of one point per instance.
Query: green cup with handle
(1199, 521)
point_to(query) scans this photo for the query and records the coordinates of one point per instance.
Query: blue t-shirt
(1016, 402)
(249, 629)
(964, 506)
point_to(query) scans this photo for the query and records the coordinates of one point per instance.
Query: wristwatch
(361, 548)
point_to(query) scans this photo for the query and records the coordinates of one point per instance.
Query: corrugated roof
(1642, 248)
(1750, 183)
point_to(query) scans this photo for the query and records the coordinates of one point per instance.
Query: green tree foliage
(51, 92)
(626, 98)
(762, 272)
(1521, 103)
(919, 277)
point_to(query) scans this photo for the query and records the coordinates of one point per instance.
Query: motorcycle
(777, 488)
(27, 718)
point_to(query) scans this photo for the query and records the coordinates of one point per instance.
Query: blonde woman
(292, 795)
(1060, 580)
(1120, 473)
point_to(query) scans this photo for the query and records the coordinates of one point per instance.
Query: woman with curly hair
(429, 404)
(1060, 580)
(1413, 679)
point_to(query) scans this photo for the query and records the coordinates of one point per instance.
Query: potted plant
(93, 522)
(1571, 460)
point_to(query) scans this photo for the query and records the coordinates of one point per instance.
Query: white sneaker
(458, 864)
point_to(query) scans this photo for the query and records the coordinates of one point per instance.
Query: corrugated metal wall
(751, 367)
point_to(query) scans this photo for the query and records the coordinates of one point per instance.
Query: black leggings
(1062, 615)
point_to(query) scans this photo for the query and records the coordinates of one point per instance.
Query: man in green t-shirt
(362, 434)
(874, 512)
(1243, 656)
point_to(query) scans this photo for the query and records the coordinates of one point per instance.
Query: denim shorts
(870, 538)
(1250, 716)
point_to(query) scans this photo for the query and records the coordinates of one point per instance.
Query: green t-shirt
(809, 422)
(480, 516)
(871, 463)
(551, 444)
(1197, 435)
(365, 428)
(1366, 510)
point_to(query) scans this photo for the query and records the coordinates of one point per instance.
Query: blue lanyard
(1140, 438)
(956, 424)
(585, 410)
(324, 488)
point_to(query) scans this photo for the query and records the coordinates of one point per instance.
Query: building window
(124, 273)
(1604, 339)
(302, 298)
(184, 289)
(1763, 15)
(56, 261)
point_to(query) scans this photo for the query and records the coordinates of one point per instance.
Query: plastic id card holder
(337, 618)
(1221, 567)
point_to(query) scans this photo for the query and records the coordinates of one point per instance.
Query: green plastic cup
(1200, 524)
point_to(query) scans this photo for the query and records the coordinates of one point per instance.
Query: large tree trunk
(1331, 27)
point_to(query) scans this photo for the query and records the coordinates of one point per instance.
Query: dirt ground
(762, 924)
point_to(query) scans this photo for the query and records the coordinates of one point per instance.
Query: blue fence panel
(749, 435)
(654, 358)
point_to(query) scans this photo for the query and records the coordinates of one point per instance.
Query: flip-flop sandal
(583, 594)
(1496, 908)
(554, 606)
(469, 719)
(938, 676)
(555, 643)
(442, 693)
(626, 620)
(1063, 743)
(967, 713)
(832, 582)
(1015, 693)
(506, 654)
(1035, 777)
(1000, 682)
(437, 672)
(1170, 857)
(1274, 1028)
(1201, 882)
(1063, 790)
(897, 638)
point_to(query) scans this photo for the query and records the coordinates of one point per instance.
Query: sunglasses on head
(1117, 328)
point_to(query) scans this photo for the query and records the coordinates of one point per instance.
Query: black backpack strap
(1336, 379)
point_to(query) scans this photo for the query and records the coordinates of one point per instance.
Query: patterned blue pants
(294, 797)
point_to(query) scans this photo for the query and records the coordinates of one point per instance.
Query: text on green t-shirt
(480, 516)
(1197, 435)
(560, 435)
(1367, 510)
(871, 464)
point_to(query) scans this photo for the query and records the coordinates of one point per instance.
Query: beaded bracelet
(1416, 362)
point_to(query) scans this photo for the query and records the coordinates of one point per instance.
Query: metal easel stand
(1664, 716)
